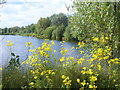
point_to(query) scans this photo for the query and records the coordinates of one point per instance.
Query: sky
(25, 12)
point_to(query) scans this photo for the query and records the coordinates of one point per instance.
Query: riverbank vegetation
(96, 28)
(95, 69)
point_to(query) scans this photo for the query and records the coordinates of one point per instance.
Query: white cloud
(21, 14)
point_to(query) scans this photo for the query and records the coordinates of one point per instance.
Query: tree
(90, 19)
(67, 34)
(48, 32)
(59, 19)
(42, 24)
(94, 19)
(58, 32)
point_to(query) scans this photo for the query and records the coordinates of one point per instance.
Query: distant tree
(21, 30)
(67, 34)
(48, 32)
(5, 30)
(42, 24)
(1, 31)
(32, 28)
(59, 19)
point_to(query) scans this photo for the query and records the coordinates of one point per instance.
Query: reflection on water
(21, 50)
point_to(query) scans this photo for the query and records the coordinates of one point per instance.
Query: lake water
(20, 49)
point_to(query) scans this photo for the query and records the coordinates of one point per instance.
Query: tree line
(53, 27)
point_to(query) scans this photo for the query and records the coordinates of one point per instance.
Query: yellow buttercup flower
(84, 68)
(81, 59)
(62, 59)
(71, 58)
(52, 42)
(10, 44)
(83, 72)
(35, 77)
(96, 39)
(28, 44)
(90, 71)
(54, 51)
(83, 83)
(31, 84)
(8, 41)
(79, 62)
(0, 68)
(93, 78)
(106, 38)
(78, 80)
(68, 82)
(92, 86)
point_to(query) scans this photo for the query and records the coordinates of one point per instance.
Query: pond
(20, 49)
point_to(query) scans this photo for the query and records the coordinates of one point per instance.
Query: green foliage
(58, 32)
(42, 24)
(14, 62)
(92, 19)
(48, 32)
(59, 19)
(95, 19)
(54, 34)
(12, 75)
(67, 34)
(13, 78)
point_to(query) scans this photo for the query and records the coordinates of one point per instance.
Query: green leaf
(12, 54)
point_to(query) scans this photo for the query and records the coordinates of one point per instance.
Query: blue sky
(26, 12)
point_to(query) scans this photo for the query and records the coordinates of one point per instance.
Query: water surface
(20, 49)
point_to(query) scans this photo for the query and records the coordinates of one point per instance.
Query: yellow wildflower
(42, 73)
(8, 41)
(96, 39)
(35, 77)
(28, 44)
(31, 84)
(53, 73)
(91, 65)
(81, 52)
(83, 83)
(71, 58)
(52, 42)
(65, 65)
(99, 66)
(63, 76)
(106, 57)
(83, 72)
(10, 44)
(62, 59)
(81, 59)
(92, 86)
(84, 68)
(68, 82)
(79, 62)
(90, 71)
(54, 51)
(63, 51)
(106, 38)
(93, 78)
(0, 68)
(78, 80)
(47, 49)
